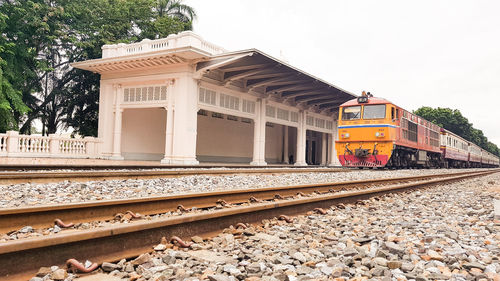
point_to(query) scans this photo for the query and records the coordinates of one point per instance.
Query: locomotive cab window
(393, 117)
(351, 113)
(376, 111)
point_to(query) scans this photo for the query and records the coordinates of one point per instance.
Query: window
(283, 114)
(206, 96)
(229, 102)
(374, 111)
(310, 121)
(145, 94)
(294, 117)
(397, 113)
(393, 116)
(270, 111)
(351, 112)
(248, 106)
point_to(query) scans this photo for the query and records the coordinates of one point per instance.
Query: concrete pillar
(54, 145)
(117, 125)
(285, 144)
(12, 142)
(301, 140)
(184, 94)
(334, 161)
(259, 135)
(169, 123)
(324, 148)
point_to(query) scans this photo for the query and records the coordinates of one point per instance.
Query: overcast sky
(413, 53)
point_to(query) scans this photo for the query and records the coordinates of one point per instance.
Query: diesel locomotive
(373, 132)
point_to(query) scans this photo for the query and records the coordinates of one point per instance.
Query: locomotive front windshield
(376, 111)
(351, 112)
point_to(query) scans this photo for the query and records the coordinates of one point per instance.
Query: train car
(455, 150)
(474, 156)
(489, 160)
(373, 132)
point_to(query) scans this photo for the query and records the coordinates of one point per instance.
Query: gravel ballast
(25, 195)
(446, 232)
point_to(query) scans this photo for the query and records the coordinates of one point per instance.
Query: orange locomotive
(374, 132)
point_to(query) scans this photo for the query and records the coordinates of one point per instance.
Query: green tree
(454, 121)
(40, 38)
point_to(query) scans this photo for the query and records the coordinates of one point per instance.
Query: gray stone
(106, 266)
(469, 265)
(300, 257)
(394, 248)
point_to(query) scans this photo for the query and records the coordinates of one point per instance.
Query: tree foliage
(454, 121)
(40, 38)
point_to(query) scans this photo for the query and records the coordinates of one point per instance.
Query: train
(375, 133)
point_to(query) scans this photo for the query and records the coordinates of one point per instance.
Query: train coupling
(361, 152)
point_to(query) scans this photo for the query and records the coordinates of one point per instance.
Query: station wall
(143, 133)
(220, 139)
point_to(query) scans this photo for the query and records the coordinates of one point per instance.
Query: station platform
(6, 163)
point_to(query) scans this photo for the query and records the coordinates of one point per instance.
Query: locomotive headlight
(346, 135)
(377, 134)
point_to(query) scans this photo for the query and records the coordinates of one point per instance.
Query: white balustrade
(14, 145)
(183, 39)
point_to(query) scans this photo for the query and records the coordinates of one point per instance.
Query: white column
(301, 140)
(184, 94)
(285, 144)
(117, 130)
(259, 134)
(323, 149)
(167, 159)
(334, 161)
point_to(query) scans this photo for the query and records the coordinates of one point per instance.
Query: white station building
(183, 100)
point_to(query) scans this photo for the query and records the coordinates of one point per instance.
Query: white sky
(413, 53)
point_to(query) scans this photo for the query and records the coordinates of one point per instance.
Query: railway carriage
(489, 160)
(455, 150)
(373, 132)
(474, 155)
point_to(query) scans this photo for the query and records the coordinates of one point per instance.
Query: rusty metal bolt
(75, 265)
(285, 218)
(134, 216)
(182, 209)
(254, 200)
(241, 225)
(61, 224)
(180, 242)
(320, 211)
(222, 202)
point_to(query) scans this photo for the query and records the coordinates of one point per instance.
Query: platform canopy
(250, 71)
(258, 73)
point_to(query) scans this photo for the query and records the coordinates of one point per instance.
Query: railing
(183, 39)
(55, 146)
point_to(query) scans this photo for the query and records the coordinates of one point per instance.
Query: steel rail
(44, 215)
(81, 176)
(22, 258)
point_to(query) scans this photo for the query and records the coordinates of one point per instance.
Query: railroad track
(82, 176)
(22, 258)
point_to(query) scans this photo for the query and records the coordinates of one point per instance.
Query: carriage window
(351, 112)
(374, 111)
